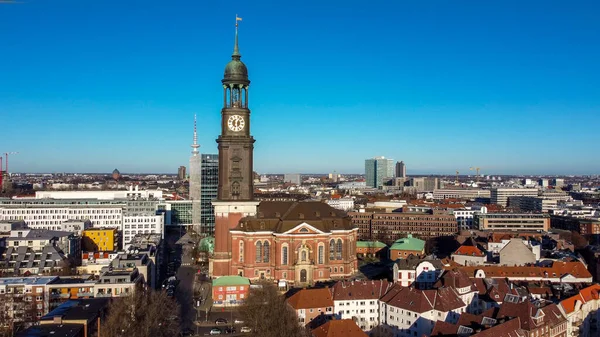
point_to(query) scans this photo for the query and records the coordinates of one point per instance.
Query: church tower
(236, 146)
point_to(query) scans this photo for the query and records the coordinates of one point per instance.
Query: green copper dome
(236, 70)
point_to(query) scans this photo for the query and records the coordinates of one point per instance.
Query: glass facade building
(208, 193)
(377, 169)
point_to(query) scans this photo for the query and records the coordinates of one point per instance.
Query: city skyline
(126, 97)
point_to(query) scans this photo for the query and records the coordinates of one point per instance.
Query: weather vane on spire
(236, 20)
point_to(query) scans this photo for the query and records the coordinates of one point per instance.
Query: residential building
(491, 293)
(497, 241)
(377, 170)
(292, 178)
(402, 248)
(582, 312)
(553, 272)
(400, 170)
(115, 282)
(181, 173)
(407, 311)
(230, 290)
(65, 288)
(462, 284)
(500, 195)
(23, 299)
(469, 255)
(413, 270)
(341, 327)
(208, 193)
(100, 240)
(312, 306)
(87, 313)
(512, 222)
(140, 262)
(359, 300)
(540, 319)
(150, 245)
(516, 253)
(296, 242)
(63, 330)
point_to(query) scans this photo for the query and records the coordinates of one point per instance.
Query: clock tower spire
(235, 197)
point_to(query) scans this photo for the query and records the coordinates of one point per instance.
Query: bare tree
(268, 315)
(144, 313)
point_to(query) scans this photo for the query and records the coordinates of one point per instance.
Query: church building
(296, 242)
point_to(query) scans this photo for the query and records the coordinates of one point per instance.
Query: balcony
(103, 295)
(85, 294)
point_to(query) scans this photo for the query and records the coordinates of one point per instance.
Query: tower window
(321, 254)
(332, 250)
(339, 249)
(284, 255)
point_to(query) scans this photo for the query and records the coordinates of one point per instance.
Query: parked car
(245, 329)
(238, 321)
(230, 330)
(220, 321)
(215, 331)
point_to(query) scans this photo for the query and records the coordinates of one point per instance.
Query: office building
(181, 173)
(292, 178)
(511, 222)
(400, 170)
(377, 169)
(208, 193)
(500, 196)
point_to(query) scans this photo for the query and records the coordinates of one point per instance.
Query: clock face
(236, 123)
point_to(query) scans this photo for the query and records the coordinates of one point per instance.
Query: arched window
(338, 249)
(332, 249)
(284, 255)
(303, 256)
(266, 251)
(258, 251)
(321, 254)
(241, 251)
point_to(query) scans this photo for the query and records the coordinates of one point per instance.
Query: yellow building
(100, 240)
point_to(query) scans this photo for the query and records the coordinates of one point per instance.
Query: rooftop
(9, 281)
(231, 281)
(78, 310)
(370, 244)
(408, 243)
(54, 330)
(311, 298)
(339, 328)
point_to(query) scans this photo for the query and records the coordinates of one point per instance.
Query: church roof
(282, 216)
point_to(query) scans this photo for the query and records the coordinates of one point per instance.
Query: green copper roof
(207, 244)
(370, 244)
(409, 243)
(230, 281)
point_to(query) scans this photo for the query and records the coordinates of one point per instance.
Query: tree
(268, 315)
(143, 313)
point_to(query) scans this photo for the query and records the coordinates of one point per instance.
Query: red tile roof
(416, 300)
(585, 295)
(469, 251)
(339, 328)
(311, 298)
(557, 269)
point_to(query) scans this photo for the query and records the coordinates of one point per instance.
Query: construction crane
(6, 154)
(456, 177)
(476, 169)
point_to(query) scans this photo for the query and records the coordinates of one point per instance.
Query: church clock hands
(236, 123)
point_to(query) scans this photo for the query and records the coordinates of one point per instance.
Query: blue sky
(510, 86)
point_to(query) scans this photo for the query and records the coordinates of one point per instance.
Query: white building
(409, 312)
(464, 216)
(141, 224)
(496, 247)
(582, 312)
(359, 300)
(292, 178)
(344, 204)
(424, 272)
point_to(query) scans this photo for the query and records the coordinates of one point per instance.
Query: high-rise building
(377, 169)
(292, 178)
(400, 170)
(209, 190)
(181, 173)
(195, 179)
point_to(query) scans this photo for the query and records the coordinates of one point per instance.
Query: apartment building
(359, 300)
(553, 272)
(512, 222)
(312, 306)
(582, 312)
(23, 299)
(100, 240)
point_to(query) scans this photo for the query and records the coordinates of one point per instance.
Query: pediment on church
(304, 228)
